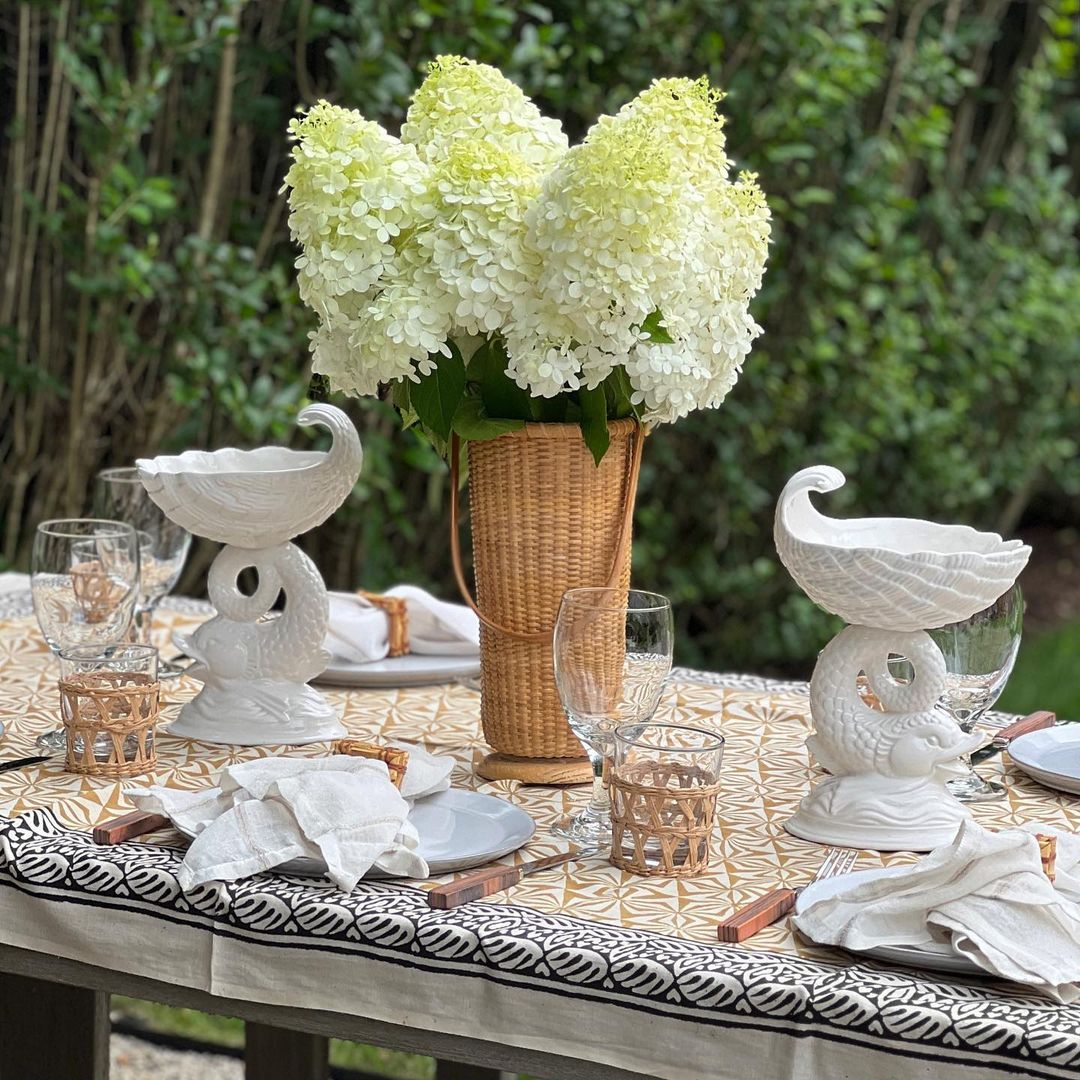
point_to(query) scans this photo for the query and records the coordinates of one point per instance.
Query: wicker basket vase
(545, 518)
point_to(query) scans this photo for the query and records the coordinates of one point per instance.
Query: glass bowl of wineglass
(979, 656)
(163, 545)
(612, 652)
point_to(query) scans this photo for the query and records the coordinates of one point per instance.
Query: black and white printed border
(977, 1023)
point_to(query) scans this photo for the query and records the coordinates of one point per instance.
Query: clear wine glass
(84, 581)
(163, 545)
(979, 656)
(612, 652)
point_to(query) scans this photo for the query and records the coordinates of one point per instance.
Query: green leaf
(437, 395)
(619, 395)
(594, 429)
(653, 328)
(555, 410)
(502, 397)
(472, 422)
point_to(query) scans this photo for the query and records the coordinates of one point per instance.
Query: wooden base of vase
(556, 771)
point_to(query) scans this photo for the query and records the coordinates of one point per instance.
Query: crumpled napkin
(342, 809)
(985, 894)
(358, 630)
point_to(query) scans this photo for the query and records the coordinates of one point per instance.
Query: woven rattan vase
(545, 518)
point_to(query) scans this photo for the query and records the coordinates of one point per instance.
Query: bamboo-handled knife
(1035, 721)
(494, 879)
(22, 763)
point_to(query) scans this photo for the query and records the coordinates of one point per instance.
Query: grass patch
(1047, 674)
(225, 1031)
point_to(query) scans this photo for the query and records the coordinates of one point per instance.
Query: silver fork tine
(841, 865)
(826, 868)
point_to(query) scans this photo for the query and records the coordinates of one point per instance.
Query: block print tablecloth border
(636, 970)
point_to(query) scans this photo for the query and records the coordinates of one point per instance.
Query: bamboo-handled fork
(764, 911)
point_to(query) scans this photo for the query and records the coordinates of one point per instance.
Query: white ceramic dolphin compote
(255, 673)
(893, 578)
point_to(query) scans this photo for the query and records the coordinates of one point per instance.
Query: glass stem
(599, 803)
(144, 621)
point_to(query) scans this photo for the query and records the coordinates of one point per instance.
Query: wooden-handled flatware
(1035, 721)
(494, 879)
(767, 909)
(127, 826)
(22, 763)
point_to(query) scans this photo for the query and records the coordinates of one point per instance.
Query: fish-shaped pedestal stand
(255, 671)
(892, 579)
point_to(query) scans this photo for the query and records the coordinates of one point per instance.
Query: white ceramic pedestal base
(879, 813)
(887, 789)
(254, 672)
(260, 713)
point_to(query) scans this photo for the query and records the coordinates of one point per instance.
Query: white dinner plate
(1051, 756)
(458, 830)
(393, 672)
(407, 670)
(933, 957)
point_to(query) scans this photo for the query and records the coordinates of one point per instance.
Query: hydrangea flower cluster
(635, 249)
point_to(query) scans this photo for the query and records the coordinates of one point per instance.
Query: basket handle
(632, 473)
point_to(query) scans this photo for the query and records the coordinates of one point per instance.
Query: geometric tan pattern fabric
(766, 771)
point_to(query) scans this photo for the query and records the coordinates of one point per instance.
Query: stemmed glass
(612, 652)
(979, 656)
(84, 580)
(163, 545)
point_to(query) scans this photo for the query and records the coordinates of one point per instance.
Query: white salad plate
(935, 957)
(408, 670)
(1051, 756)
(458, 830)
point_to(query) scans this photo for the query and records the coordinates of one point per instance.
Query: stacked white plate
(934, 956)
(398, 671)
(1051, 756)
(458, 830)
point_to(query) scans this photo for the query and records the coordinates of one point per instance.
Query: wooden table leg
(456, 1070)
(47, 1029)
(272, 1053)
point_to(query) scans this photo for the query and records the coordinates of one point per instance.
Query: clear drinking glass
(979, 656)
(612, 652)
(120, 664)
(666, 778)
(84, 580)
(163, 545)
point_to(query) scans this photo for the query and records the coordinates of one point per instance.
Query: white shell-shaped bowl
(892, 573)
(257, 498)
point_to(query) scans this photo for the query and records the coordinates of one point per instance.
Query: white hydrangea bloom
(643, 218)
(463, 100)
(353, 192)
(488, 147)
(480, 222)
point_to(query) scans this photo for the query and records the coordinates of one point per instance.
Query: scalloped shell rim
(232, 462)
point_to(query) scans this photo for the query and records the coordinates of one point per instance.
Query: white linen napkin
(264, 812)
(985, 894)
(358, 631)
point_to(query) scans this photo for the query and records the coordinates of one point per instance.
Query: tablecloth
(582, 960)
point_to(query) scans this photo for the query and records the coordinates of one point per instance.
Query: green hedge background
(922, 329)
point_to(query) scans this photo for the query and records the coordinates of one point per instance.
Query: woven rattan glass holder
(109, 720)
(663, 799)
(545, 518)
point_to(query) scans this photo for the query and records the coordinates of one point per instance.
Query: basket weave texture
(665, 810)
(120, 708)
(545, 518)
